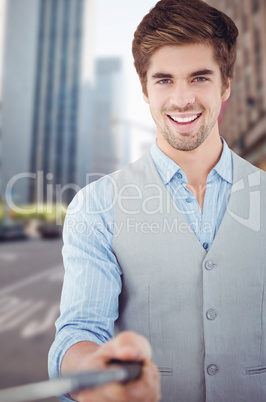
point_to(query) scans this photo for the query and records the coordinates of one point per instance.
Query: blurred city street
(30, 289)
(71, 111)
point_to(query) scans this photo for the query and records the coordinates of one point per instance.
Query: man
(180, 233)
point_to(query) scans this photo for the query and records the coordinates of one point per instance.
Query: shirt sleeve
(92, 281)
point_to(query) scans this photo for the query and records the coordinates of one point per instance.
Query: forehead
(183, 59)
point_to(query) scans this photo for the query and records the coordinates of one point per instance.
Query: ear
(146, 99)
(227, 90)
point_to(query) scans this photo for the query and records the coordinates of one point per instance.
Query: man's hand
(125, 346)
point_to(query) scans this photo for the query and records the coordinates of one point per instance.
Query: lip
(186, 126)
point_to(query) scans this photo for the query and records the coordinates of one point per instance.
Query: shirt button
(189, 200)
(211, 314)
(205, 246)
(209, 264)
(179, 176)
(212, 369)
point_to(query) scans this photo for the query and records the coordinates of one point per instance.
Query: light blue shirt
(218, 187)
(92, 283)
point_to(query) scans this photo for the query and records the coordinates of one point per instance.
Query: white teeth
(185, 119)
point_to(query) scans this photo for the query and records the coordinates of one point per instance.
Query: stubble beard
(186, 141)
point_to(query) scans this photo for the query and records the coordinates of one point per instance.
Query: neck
(198, 163)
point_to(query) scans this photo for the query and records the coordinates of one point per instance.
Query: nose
(182, 95)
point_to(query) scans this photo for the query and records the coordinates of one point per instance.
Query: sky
(115, 24)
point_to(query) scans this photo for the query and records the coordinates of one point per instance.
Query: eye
(200, 79)
(164, 81)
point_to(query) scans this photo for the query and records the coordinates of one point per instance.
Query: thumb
(127, 346)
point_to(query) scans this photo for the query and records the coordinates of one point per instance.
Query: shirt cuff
(64, 340)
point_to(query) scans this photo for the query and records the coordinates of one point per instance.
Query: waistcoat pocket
(256, 370)
(165, 371)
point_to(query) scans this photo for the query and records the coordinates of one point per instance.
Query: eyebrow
(201, 72)
(162, 76)
(194, 74)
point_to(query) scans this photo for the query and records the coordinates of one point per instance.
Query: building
(2, 30)
(109, 138)
(47, 72)
(243, 123)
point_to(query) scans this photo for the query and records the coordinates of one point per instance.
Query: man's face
(184, 91)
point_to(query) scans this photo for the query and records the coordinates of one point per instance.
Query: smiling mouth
(184, 120)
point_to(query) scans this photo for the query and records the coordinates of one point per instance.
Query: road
(31, 274)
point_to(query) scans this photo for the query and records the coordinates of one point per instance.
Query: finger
(147, 388)
(108, 393)
(126, 346)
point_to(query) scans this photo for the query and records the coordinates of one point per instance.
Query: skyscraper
(109, 134)
(47, 70)
(55, 117)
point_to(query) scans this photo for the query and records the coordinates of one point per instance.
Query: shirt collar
(167, 168)
(224, 166)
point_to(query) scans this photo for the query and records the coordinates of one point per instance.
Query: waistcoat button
(211, 314)
(212, 369)
(209, 264)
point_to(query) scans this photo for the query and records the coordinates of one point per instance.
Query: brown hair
(179, 22)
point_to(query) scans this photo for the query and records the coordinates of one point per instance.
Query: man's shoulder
(98, 195)
(94, 198)
(245, 166)
(135, 171)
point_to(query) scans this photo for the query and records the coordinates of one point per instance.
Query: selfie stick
(128, 371)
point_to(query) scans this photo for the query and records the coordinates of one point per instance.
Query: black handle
(133, 369)
(123, 371)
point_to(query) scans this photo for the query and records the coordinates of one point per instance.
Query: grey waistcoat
(204, 314)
